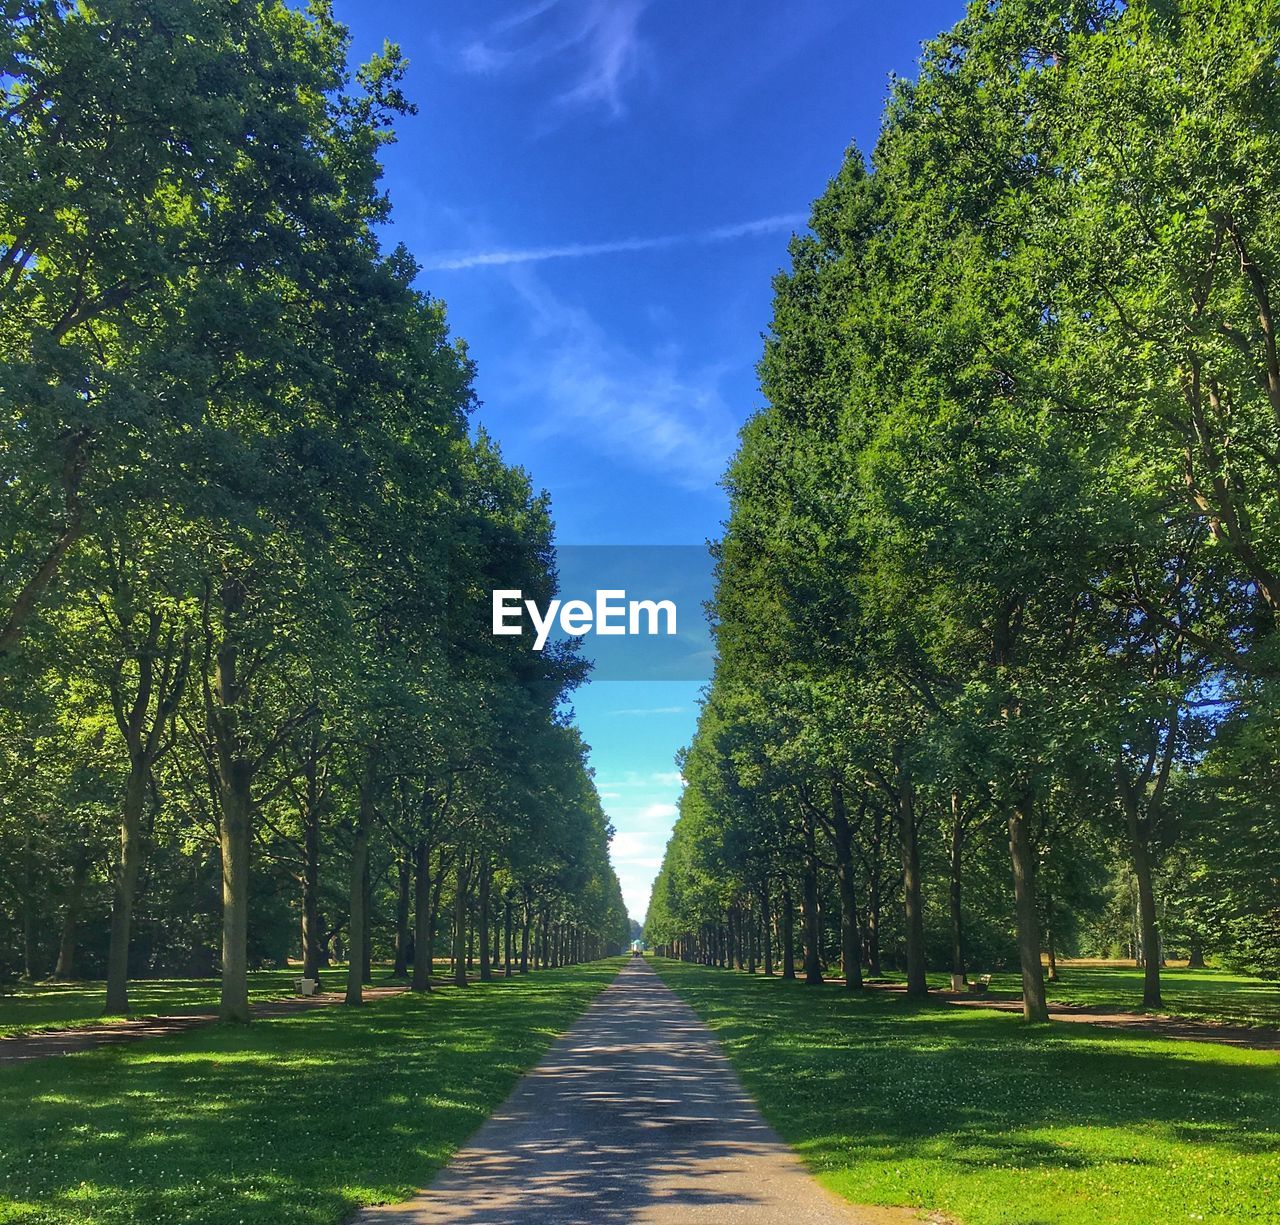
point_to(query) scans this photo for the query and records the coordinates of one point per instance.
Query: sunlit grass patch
(30, 1008)
(300, 1118)
(969, 1112)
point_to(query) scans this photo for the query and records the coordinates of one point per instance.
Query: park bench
(980, 986)
(305, 986)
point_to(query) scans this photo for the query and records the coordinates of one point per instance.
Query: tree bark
(809, 906)
(506, 936)
(486, 970)
(312, 927)
(1149, 927)
(1022, 856)
(958, 968)
(235, 845)
(1139, 831)
(850, 929)
(913, 905)
(874, 863)
(225, 703)
(460, 925)
(525, 932)
(404, 892)
(788, 933)
(124, 886)
(65, 970)
(422, 943)
(767, 919)
(357, 933)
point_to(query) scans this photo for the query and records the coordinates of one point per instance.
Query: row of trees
(1000, 577)
(247, 539)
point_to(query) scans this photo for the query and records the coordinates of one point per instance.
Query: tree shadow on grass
(298, 1118)
(866, 1085)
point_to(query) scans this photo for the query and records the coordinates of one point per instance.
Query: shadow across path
(635, 1115)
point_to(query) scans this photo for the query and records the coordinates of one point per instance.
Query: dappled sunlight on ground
(303, 1117)
(972, 1111)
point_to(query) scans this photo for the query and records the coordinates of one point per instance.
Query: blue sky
(601, 192)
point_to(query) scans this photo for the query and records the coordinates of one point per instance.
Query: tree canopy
(998, 577)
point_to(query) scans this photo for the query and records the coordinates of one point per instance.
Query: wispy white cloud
(594, 45)
(653, 411)
(643, 807)
(455, 261)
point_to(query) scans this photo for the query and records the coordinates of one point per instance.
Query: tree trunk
(357, 933)
(366, 945)
(404, 891)
(809, 907)
(312, 929)
(506, 937)
(1148, 923)
(235, 793)
(1195, 953)
(422, 924)
(524, 936)
(125, 884)
(958, 969)
(768, 930)
(235, 845)
(873, 928)
(486, 971)
(1034, 1007)
(1149, 928)
(788, 933)
(65, 970)
(850, 929)
(913, 904)
(460, 925)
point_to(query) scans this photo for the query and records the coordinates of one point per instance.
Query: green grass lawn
(293, 1119)
(1207, 995)
(973, 1113)
(1211, 995)
(59, 1005)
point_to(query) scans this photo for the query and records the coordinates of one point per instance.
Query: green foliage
(1000, 550)
(247, 696)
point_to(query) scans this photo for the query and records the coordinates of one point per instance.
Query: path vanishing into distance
(634, 1115)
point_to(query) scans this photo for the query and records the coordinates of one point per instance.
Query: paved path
(635, 1115)
(43, 1043)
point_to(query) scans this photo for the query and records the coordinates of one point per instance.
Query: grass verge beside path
(292, 1119)
(970, 1112)
(1204, 995)
(31, 1009)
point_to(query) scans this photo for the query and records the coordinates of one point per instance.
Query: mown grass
(1206, 995)
(1220, 996)
(293, 1119)
(972, 1113)
(50, 1005)
(1210, 994)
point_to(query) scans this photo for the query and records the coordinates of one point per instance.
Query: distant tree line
(997, 598)
(248, 708)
